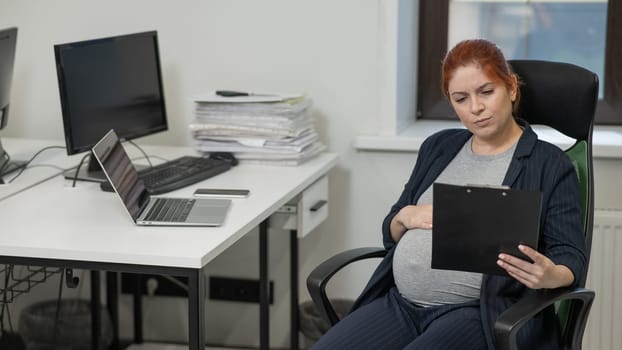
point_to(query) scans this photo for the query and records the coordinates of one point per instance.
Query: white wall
(326, 48)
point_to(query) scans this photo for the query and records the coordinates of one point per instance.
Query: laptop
(145, 209)
(472, 224)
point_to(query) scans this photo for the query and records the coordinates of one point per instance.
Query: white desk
(53, 224)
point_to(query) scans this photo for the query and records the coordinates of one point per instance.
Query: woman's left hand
(542, 273)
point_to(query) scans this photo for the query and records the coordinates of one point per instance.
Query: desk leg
(264, 288)
(137, 301)
(112, 300)
(196, 309)
(95, 309)
(293, 251)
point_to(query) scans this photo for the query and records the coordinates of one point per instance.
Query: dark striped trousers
(392, 322)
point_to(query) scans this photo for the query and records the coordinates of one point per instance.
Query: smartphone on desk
(221, 192)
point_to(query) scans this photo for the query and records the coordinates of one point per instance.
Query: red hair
(485, 54)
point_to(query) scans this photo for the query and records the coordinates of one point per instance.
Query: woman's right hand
(411, 217)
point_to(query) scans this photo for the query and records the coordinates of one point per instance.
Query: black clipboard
(473, 224)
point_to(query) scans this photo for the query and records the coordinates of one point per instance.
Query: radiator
(604, 326)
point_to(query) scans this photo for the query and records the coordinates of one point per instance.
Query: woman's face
(483, 104)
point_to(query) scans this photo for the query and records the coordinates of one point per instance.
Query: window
(579, 32)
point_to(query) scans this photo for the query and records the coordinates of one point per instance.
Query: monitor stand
(91, 171)
(9, 166)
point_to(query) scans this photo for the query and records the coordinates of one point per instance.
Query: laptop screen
(121, 173)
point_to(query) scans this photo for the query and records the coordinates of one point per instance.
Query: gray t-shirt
(415, 279)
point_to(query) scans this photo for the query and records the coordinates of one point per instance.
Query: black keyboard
(178, 173)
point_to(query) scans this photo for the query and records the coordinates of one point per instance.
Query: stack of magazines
(268, 128)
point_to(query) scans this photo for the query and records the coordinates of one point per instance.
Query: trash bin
(73, 332)
(312, 325)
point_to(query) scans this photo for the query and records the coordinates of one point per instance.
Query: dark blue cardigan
(536, 165)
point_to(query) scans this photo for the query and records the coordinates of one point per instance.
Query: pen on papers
(231, 93)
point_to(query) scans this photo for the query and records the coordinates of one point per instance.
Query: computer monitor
(109, 83)
(8, 44)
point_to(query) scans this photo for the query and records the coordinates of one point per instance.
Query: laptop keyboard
(170, 209)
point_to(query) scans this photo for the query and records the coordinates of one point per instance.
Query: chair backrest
(563, 96)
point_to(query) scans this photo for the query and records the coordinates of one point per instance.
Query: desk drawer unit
(313, 207)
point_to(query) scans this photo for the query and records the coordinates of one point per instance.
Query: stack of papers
(270, 128)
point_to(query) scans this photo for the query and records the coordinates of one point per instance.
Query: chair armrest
(510, 321)
(319, 277)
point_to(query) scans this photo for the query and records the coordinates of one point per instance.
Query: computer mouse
(226, 156)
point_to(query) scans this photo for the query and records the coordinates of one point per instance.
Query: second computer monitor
(8, 45)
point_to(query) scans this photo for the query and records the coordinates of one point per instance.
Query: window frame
(433, 36)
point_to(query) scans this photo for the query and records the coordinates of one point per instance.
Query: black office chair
(562, 96)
